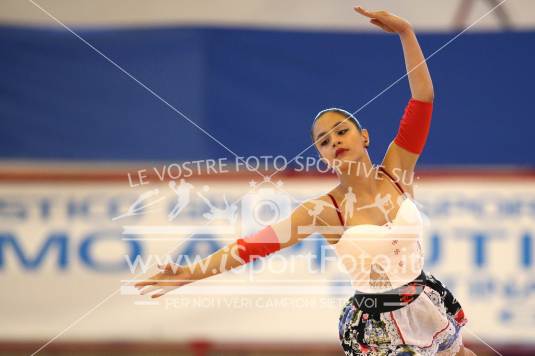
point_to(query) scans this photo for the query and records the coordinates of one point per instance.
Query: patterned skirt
(429, 325)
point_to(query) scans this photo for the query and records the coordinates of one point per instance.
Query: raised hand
(171, 277)
(385, 20)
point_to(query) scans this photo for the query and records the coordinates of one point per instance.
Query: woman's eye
(342, 132)
(324, 142)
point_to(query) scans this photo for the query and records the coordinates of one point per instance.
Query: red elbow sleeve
(258, 245)
(414, 126)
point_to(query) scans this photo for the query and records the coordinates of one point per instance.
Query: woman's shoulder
(323, 206)
(319, 199)
(335, 192)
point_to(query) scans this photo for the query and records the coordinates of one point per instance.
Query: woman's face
(338, 140)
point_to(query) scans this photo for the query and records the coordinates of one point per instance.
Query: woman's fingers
(159, 289)
(158, 282)
(149, 289)
(157, 295)
(385, 20)
(149, 282)
(377, 23)
(380, 16)
(163, 282)
(162, 292)
(362, 11)
(370, 14)
(145, 283)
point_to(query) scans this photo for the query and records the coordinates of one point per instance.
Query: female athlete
(397, 308)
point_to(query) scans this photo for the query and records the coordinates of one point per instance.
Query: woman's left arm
(404, 151)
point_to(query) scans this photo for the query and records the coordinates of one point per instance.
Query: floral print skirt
(429, 325)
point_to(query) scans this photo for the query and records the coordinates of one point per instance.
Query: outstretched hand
(171, 277)
(385, 20)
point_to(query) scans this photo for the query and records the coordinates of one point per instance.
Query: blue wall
(256, 91)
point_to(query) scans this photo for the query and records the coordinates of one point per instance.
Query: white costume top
(393, 249)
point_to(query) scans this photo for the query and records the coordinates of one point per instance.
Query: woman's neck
(361, 176)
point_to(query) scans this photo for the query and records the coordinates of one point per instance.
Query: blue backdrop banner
(256, 91)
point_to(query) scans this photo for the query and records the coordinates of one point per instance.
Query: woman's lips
(340, 151)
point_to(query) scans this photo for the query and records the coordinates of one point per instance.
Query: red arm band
(258, 245)
(414, 126)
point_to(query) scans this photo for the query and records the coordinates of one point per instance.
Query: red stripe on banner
(52, 175)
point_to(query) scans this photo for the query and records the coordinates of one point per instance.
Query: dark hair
(344, 113)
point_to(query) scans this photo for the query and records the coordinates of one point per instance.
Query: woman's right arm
(286, 230)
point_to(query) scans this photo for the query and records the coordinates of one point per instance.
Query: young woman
(397, 308)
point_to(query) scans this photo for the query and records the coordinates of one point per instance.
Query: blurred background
(101, 101)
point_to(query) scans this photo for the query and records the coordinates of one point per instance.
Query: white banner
(320, 15)
(63, 247)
